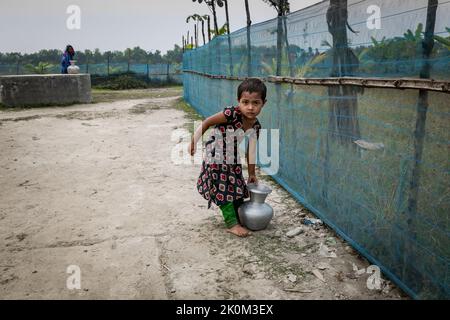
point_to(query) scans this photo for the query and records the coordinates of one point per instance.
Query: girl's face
(251, 104)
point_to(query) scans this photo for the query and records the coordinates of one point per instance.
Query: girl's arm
(218, 118)
(251, 160)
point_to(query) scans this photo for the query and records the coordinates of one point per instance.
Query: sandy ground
(93, 186)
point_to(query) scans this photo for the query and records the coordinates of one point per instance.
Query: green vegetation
(123, 82)
(399, 56)
(134, 55)
(444, 41)
(40, 68)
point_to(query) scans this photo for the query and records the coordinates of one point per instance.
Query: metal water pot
(73, 69)
(256, 214)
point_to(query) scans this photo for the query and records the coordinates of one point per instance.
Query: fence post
(108, 66)
(168, 74)
(343, 100)
(419, 138)
(249, 45)
(230, 52)
(129, 57)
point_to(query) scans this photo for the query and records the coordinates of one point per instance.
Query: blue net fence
(364, 132)
(153, 72)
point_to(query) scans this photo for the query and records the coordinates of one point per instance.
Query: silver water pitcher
(256, 214)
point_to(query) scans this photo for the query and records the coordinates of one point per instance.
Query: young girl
(221, 180)
(67, 56)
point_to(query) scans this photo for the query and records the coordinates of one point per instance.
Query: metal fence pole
(168, 70)
(108, 65)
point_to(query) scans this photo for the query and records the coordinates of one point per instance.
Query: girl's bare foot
(239, 231)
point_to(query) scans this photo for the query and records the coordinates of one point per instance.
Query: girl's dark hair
(68, 47)
(253, 85)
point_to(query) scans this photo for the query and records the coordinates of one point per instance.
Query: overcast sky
(31, 25)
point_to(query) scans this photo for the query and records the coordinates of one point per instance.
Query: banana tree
(372, 57)
(310, 67)
(221, 31)
(40, 68)
(444, 41)
(414, 36)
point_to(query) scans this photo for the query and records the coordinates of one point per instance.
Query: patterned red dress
(221, 180)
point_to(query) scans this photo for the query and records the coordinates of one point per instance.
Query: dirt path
(93, 186)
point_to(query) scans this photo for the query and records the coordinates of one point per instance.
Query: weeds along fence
(151, 73)
(363, 116)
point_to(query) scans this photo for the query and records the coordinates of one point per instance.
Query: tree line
(129, 55)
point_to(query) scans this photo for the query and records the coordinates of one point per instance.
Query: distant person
(67, 56)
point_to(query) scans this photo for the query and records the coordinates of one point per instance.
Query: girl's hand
(252, 179)
(192, 149)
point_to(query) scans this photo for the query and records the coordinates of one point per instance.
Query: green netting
(154, 72)
(373, 163)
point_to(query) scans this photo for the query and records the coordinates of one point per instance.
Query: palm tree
(196, 18)
(212, 6)
(337, 20)
(343, 119)
(283, 8)
(203, 19)
(209, 27)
